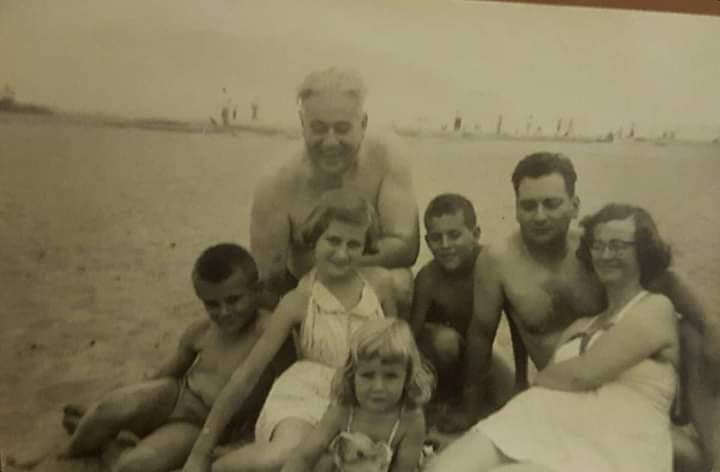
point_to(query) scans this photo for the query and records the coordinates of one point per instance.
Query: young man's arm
(270, 232)
(306, 455)
(397, 210)
(410, 447)
(245, 378)
(422, 299)
(184, 355)
(693, 309)
(646, 331)
(487, 308)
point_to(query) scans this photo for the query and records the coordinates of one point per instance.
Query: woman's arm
(649, 328)
(230, 399)
(410, 447)
(307, 454)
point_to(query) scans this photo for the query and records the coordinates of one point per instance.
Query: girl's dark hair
(346, 206)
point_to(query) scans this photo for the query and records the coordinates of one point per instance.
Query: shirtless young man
(536, 278)
(169, 408)
(336, 154)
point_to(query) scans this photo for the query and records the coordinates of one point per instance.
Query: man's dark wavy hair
(540, 164)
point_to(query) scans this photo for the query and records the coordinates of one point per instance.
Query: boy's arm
(650, 328)
(410, 447)
(245, 378)
(306, 455)
(487, 307)
(422, 299)
(184, 355)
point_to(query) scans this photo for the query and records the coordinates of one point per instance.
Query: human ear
(364, 121)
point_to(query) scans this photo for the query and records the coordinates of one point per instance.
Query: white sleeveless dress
(303, 390)
(622, 426)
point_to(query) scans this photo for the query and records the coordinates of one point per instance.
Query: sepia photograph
(427, 235)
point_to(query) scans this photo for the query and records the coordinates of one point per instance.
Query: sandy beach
(99, 228)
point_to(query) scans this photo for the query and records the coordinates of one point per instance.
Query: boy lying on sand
(167, 411)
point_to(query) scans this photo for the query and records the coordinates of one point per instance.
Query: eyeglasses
(615, 246)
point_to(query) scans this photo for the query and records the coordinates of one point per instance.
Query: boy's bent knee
(446, 344)
(135, 460)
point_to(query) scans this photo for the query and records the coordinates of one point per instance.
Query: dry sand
(99, 228)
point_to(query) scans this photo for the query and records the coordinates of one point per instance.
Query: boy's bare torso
(218, 356)
(451, 298)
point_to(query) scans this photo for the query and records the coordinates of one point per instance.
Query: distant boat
(9, 105)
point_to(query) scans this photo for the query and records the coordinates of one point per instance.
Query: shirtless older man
(535, 277)
(336, 154)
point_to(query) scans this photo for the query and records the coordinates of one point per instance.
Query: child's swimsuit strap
(395, 429)
(350, 419)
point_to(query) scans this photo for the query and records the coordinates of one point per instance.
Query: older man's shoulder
(384, 149)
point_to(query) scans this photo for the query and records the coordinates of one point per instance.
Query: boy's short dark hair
(448, 204)
(218, 262)
(540, 164)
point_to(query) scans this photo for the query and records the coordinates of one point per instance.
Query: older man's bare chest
(305, 197)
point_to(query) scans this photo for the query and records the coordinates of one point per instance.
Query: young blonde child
(375, 422)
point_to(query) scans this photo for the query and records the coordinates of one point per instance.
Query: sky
(423, 61)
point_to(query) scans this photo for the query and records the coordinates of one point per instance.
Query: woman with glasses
(603, 403)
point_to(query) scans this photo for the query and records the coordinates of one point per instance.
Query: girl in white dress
(327, 306)
(603, 404)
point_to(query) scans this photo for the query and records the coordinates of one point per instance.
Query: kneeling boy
(168, 411)
(443, 299)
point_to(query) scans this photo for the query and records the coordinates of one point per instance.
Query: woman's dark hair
(653, 254)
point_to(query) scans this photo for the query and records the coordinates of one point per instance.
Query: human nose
(341, 251)
(445, 241)
(539, 214)
(330, 139)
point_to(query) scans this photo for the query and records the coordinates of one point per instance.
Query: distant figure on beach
(536, 279)
(443, 301)
(331, 302)
(254, 108)
(168, 409)
(602, 402)
(227, 110)
(336, 154)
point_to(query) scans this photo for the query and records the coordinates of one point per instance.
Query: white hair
(345, 81)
